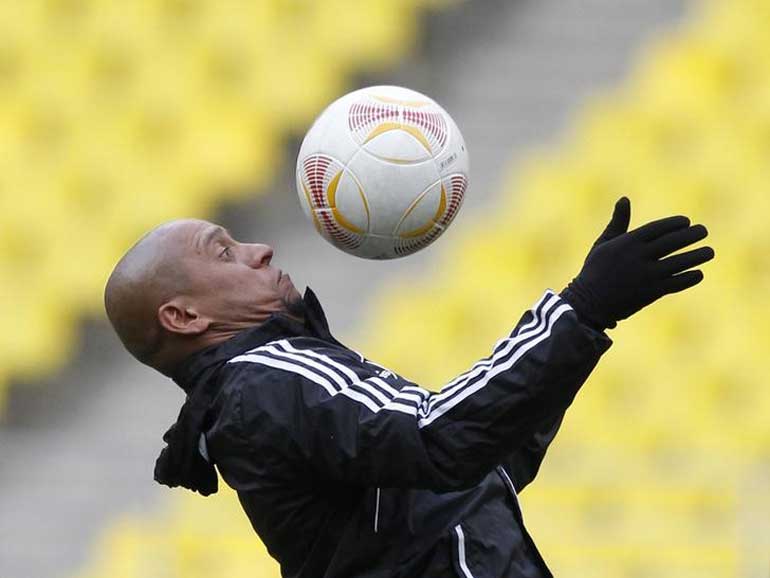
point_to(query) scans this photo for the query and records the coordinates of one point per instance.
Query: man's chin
(295, 305)
(292, 291)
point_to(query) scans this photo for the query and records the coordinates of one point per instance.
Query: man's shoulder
(283, 360)
(271, 379)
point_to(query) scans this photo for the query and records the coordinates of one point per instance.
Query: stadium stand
(652, 473)
(116, 116)
(195, 539)
(656, 470)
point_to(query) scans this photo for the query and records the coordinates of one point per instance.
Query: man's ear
(178, 317)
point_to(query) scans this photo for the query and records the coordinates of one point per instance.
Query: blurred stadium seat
(192, 538)
(116, 116)
(654, 473)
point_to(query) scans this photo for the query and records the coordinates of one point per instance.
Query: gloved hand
(626, 271)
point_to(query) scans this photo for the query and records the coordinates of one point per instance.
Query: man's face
(234, 283)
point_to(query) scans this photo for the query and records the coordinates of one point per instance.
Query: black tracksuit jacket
(348, 470)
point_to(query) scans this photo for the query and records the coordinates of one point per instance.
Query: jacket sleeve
(365, 433)
(524, 463)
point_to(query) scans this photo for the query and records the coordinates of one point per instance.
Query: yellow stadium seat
(117, 116)
(672, 425)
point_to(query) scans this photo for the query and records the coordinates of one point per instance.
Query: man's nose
(260, 255)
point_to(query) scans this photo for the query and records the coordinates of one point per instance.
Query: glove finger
(683, 261)
(658, 228)
(679, 239)
(680, 282)
(618, 224)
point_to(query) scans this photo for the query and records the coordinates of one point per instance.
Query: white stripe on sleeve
(437, 412)
(486, 364)
(376, 394)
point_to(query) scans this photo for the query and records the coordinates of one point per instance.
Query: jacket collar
(190, 371)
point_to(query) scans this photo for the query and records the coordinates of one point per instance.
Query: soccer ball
(382, 172)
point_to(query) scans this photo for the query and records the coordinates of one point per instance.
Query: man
(344, 468)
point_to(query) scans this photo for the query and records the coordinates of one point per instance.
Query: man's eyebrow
(211, 234)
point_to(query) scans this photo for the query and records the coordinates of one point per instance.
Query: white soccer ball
(382, 172)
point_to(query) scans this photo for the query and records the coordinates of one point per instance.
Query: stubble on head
(152, 271)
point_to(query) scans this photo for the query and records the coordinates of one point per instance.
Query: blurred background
(116, 116)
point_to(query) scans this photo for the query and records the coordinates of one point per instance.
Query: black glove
(625, 271)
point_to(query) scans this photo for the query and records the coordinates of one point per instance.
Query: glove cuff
(584, 302)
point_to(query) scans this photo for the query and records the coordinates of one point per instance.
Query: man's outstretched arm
(310, 409)
(362, 433)
(623, 272)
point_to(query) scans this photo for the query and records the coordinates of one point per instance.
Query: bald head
(188, 284)
(153, 271)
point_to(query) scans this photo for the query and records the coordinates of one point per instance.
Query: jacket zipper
(511, 489)
(461, 561)
(377, 510)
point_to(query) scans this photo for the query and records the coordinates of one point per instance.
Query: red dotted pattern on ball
(405, 248)
(316, 175)
(365, 116)
(315, 172)
(431, 123)
(457, 184)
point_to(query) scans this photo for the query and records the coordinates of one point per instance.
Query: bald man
(345, 468)
(186, 285)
